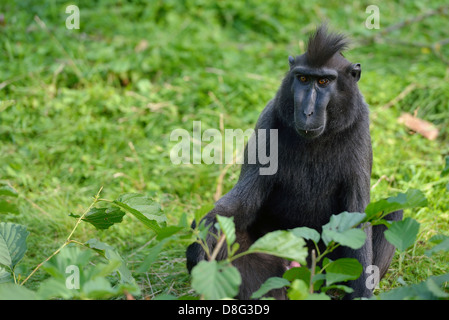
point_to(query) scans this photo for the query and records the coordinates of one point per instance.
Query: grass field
(94, 107)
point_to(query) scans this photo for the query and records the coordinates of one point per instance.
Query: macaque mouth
(312, 130)
(310, 133)
(309, 130)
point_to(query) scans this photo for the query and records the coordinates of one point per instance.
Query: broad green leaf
(168, 232)
(426, 290)
(74, 277)
(306, 233)
(345, 221)
(402, 234)
(98, 288)
(318, 296)
(144, 209)
(204, 229)
(437, 239)
(102, 218)
(299, 290)
(228, 228)
(5, 275)
(339, 287)
(12, 243)
(68, 256)
(352, 238)
(12, 291)
(216, 280)
(282, 244)
(343, 269)
(8, 207)
(270, 284)
(411, 199)
(111, 254)
(342, 229)
(56, 288)
(6, 190)
(302, 273)
(433, 287)
(441, 246)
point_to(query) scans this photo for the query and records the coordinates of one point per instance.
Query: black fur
(323, 45)
(318, 174)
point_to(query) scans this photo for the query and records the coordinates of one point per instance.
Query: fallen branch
(423, 127)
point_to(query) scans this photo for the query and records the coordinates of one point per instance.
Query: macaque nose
(308, 113)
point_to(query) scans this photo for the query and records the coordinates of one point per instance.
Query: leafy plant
(91, 282)
(75, 275)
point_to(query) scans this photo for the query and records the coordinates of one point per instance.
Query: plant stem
(401, 257)
(218, 247)
(331, 247)
(67, 241)
(312, 271)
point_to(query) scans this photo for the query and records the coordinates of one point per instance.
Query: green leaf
(299, 290)
(168, 232)
(402, 234)
(411, 199)
(441, 246)
(433, 287)
(282, 244)
(6, 190)
(270, 284)
(68, 256)
(227, 226)
(56, 288)
(302, 273)
(216, 280)
(12, 243)
(307, 233)
(75, 277)
(99, 288)
(341, 229)
(112, 254)
(5, 276)
(12, 291)
(339, 287)
(7, 207)
(437, 239)
(102, 218)
(352, 238)
(427, 290)
(343, 269)
(144, 209)
(318, 296)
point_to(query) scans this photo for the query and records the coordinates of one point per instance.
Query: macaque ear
(356, 71)
(291, 61)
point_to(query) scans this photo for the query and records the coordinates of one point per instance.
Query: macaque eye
(323, 81)
(303, 78)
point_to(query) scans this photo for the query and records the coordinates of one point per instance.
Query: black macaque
(324, 167)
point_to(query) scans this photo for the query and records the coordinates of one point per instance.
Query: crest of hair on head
(323, 45)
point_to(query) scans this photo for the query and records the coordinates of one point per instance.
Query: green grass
(95, 107)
